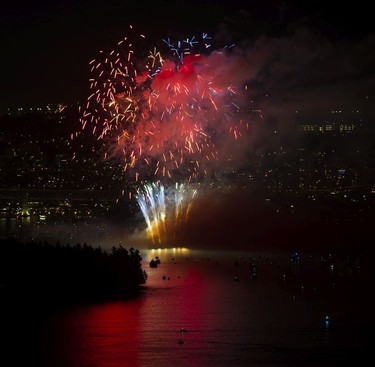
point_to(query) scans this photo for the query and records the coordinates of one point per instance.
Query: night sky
(307, 50)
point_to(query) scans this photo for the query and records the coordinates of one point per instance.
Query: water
(277, 319)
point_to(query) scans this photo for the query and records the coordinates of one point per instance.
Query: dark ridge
(41, 273)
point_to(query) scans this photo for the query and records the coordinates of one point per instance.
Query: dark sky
(46, 46)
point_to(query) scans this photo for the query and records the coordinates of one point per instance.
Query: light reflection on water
(262, 321)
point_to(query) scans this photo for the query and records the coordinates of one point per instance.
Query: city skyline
(310, 180)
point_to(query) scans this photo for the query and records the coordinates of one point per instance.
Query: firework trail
(165, 212)
(162, 114)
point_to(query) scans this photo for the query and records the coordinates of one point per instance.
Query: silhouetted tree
(65, 271)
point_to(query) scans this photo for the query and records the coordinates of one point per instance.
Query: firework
(162, 113)
(166, 211)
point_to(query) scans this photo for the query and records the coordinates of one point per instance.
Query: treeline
(64, 272)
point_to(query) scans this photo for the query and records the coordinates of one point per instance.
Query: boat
(153, 263)
(253, 271)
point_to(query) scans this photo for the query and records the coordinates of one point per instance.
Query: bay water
(208, 308)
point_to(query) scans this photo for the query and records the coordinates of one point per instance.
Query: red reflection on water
(100, 335)
(180, 300)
